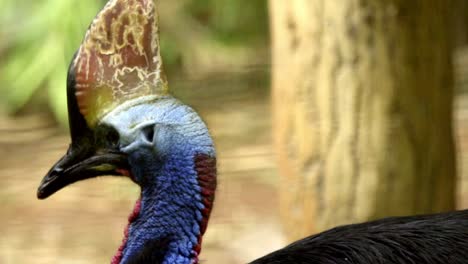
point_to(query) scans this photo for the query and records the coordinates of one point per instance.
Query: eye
(148, 133)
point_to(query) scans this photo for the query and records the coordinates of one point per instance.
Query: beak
(80, 163)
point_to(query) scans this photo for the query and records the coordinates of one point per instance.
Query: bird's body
(123, 122)
(430, 239)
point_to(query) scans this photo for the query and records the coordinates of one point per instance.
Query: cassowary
(124, 122)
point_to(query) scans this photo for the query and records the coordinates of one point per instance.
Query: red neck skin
(206, 171)
(131, 218)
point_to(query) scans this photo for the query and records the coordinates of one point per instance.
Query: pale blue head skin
(161, 138)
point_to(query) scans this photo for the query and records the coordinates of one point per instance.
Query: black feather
(430, 239)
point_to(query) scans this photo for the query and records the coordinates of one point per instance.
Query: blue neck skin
(164, 162)
(170, 213)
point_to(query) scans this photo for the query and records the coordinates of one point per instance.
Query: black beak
(80, 163)
(85, 158)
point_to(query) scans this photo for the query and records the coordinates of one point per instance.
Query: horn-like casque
(119, 59)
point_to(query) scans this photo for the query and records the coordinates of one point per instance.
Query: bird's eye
(148, 133)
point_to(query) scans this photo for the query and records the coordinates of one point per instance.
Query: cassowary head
(124, 122)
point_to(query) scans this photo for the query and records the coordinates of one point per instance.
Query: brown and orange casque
(119, 59)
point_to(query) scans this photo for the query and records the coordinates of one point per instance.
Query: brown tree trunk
(460, 20)
(362, 95)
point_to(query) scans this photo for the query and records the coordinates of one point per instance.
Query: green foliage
(232, 20)
(38, 39)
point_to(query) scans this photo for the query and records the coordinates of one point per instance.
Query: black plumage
(430, 239)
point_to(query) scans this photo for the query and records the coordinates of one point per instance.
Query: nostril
(148, 133)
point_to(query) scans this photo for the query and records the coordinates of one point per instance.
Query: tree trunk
(362, 99)
(460, 19)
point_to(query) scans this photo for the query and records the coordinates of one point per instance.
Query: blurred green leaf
(39, 38)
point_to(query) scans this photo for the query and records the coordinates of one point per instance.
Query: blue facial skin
(161, 138)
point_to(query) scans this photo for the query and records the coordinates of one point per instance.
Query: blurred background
(217, 55)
